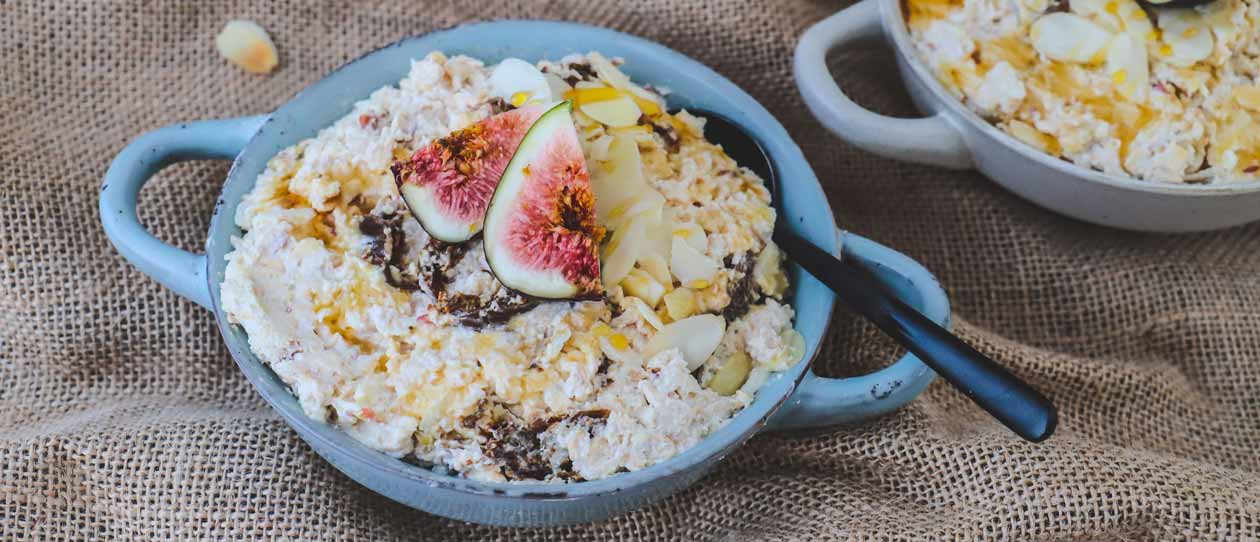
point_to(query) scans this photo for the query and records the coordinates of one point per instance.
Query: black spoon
(1016, 404)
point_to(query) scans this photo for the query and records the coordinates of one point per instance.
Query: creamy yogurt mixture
(1162, 94)
(413, 347)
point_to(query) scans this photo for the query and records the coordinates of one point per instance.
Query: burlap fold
(122, 417)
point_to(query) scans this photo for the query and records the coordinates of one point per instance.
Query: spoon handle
(1014, 403)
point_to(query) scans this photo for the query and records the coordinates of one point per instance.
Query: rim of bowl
(532, 490)
(892, 9)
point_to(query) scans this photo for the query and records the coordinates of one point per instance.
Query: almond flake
(617, 113)
(1183, 32)
(1248, 96)
(696, 337)
(247, 45)
(1069, 38)
(1128, 67)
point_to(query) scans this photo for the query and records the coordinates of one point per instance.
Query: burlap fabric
(123, 418)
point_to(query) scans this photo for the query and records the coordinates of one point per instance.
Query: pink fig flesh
(448, 183)
(556, 227)
(541, 235)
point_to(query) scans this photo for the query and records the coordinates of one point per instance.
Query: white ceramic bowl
(953, 136)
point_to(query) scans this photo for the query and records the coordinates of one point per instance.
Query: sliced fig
(540, 233)
(448, 183)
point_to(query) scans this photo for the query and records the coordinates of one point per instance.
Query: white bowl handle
(932, 140)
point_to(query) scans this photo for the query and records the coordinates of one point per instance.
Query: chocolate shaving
(742, 288)
(499, 105)
(669, 135)
(518, 448)
(501, 308)
(380, 230)
(584, 70)
(440, 258)
(581, 72)
(388, 249)
(397, 278)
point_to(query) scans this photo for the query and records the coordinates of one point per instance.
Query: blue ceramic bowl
(795, 398)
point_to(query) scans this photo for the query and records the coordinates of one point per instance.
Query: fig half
(540, 233)
(448, 183)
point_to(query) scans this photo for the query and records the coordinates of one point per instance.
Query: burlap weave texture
(122, 417)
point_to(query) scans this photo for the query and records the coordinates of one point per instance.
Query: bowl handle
(180, 270)
(932, 140)
(822, 402)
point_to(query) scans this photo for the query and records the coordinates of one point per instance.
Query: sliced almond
(646, 312)
(731, 375)
(1128, 68)
(614, 345)
(1136, 23)
(650, 103)
(1115, 16)
(656, 265)
(606, 71)
(619, 179)
(1248, 96)
(557, 85)
(693, 234)
(519, 82)
(1187, 35)
(680, 303)
(247, 45)
(622, 251)
(1069, 38)
(661, 240)
(1220, 17)
(1104, 12)
(1028, 134)
(794, 353)
(696, 337)
(597, 149)
(617, 113)
(1036, 6)
(648, 202)
(689, 266)
(641, 285)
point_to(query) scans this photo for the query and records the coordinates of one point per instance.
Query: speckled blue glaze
(793, 399)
